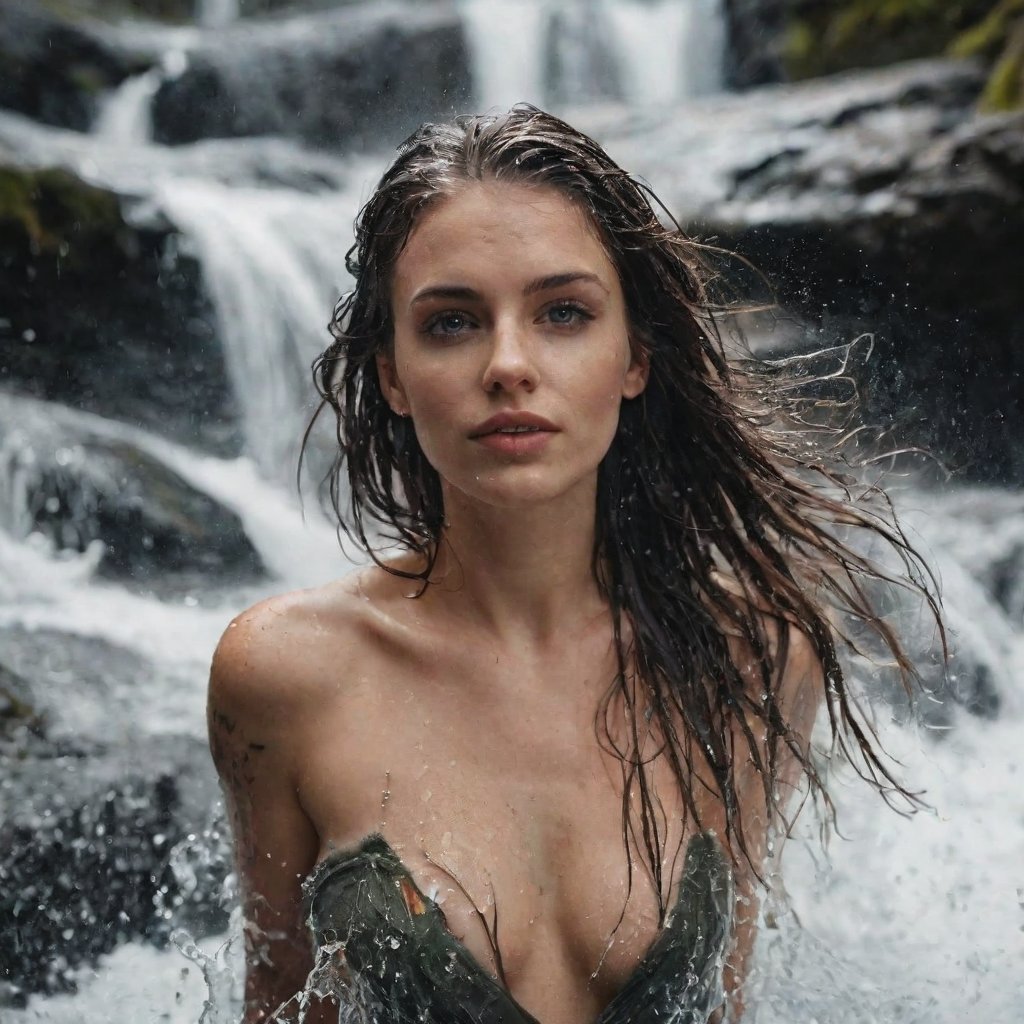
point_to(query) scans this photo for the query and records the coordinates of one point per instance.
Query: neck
(525, 574)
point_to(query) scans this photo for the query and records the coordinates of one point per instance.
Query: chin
(520, 487)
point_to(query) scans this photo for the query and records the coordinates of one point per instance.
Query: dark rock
(18, 714)
(880, 202)
(754, 55)
(354, 77)
(54, 70)
(107, 834)
(104, 315)
(102, 847)
(88, 691)
(76, 480)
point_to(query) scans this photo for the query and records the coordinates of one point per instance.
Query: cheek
(596, 397)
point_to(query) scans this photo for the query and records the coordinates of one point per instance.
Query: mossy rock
(17, 712)
(171, 11)
(825, 37)
(53, 212)
(56, 70)
(105, 315)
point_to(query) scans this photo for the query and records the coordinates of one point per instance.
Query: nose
(511, 363)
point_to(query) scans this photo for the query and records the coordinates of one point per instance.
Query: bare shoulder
(271, 658)
(793, 656)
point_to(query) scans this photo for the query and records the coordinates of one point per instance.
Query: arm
(799, 693)
(255, 728)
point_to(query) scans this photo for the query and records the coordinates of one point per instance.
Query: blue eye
(567, 314)
(447, 323)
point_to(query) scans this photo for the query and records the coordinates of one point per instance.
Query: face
(511, 348)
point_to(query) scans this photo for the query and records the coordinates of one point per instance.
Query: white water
(661, 51)
(668, 50)
(504, 38)
(124, 118)
(273, 262)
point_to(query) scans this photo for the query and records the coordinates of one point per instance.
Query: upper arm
(255, 721)
(784, 684)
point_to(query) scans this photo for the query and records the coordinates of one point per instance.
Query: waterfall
(640, 51)
(273, 265)
(504, 41)
(668, 49)
(124, 117)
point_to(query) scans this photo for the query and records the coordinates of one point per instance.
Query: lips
(513, 424)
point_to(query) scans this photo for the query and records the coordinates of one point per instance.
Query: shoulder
(303, 647)
(271, 656)
(789, 651)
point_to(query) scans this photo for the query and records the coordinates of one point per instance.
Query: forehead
(501, 230)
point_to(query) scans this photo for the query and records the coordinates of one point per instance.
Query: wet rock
(76, 480)
(88, 691)
(356, 76)
(877, 201)
(53, 69)
(106, 315)
(756, 29)
(99, 847)
(18, 715)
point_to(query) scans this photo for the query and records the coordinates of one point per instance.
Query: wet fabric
(391, 959)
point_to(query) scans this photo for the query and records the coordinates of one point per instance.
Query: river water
(903, 919)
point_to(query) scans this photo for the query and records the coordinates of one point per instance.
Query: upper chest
(493, 779)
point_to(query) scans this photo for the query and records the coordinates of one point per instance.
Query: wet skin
(461, 725)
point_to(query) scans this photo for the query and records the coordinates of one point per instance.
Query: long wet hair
(719, 526)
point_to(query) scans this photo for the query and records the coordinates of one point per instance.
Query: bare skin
(460, 724)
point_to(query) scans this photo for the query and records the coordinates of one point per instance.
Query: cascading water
(912, 920)
(640, 51)
(273, 263)
(124, 118)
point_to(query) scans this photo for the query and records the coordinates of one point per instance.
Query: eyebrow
(540, 284)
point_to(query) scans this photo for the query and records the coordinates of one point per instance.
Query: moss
(172, 11)
(988, 36)
(56, 212)
(1005, 87)
(835, 35)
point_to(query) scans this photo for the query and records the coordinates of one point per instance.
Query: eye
(567, 314)
(447, 323)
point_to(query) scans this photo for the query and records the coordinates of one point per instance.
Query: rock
(874, 201)
(99, 847)
(107, 832)
(18, 714)
(105, 315)
(782, 40)
(88, 691)
(76, 480)
(358, 76)
(756, 28)
(54, 70)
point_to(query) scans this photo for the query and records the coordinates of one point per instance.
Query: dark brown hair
(719, 516)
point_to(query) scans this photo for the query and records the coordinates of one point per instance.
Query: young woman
(526, 766)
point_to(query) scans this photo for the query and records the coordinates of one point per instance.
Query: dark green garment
(401, 964)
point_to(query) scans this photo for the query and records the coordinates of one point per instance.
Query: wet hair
(722, 521)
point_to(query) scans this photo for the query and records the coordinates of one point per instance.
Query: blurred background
(178, 182)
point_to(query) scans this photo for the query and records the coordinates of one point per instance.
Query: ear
(390, 385)
(636, 376)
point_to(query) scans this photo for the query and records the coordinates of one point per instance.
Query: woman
(528, 765)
